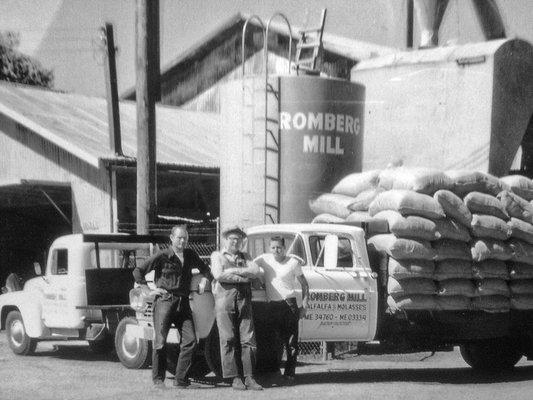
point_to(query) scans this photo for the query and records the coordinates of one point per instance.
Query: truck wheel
(491, 355)
(132, 352)
(19, 342)
(102, 346)
(212, 352)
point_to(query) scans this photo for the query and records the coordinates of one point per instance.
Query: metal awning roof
(78, 124)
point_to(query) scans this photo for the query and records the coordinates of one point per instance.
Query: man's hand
(302, 312)
(158, 291)
(202, 285)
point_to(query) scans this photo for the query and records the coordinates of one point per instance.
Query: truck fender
(203, 309)
(29, 307)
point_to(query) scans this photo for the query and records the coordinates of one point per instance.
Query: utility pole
(410, 21)
(113, 112)
(147, 65)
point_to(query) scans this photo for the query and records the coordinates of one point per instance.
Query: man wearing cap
(172, 276)
(233, 271)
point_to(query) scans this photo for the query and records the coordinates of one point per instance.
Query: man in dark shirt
(172, 277)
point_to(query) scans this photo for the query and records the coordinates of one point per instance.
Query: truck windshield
(344, 260)
(260, 244)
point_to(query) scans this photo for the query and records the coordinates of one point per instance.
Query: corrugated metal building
(192, 79)
(58, 175)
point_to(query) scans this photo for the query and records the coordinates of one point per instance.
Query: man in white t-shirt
(280, 273)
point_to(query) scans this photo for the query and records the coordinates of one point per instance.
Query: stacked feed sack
(453, 271)
(469, 232)
(414, 220)
(521, 244)
(490, 232)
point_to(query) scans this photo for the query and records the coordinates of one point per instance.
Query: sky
(64, 34)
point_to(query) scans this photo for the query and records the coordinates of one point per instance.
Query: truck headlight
(138, 300)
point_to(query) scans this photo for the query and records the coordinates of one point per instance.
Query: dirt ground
(68, 370)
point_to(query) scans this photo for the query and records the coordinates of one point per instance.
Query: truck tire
(19, 342)
(491, 355)
(133, 353)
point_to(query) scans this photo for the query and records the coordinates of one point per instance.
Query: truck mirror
(37, 268)
(331, 251)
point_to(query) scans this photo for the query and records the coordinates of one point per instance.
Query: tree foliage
(18, 67)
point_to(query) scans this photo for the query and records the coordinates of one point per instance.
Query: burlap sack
(413, 302)
(353, 184)
(520, 185)
(464, 182)
(521, 230)
(402, 249)
(362, 200)
(411, 226)
(374, 226)
(327, 219)
(491, 304)
(453, 303)
(452, 269)
(453, 206)
(520, 271)
(490, 269)
(481, 203)
(333, 204)
(487, 226)
(450, 229)
(409, 269)
(515, 206)
(406, 287)
(484, 249)
(522, 286)
(407, 203)
(446, 249)
(492, 287)
(421, 180)
(522, 252)
(522, 302)
(456, 287)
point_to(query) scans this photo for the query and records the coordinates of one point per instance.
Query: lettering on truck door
(340, 299)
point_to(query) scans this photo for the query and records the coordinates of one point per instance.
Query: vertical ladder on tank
(309, 48)
(272, 203)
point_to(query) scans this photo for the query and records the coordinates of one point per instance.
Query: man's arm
(222, 275)
(202, 267)
(305, 290)
(141, 270)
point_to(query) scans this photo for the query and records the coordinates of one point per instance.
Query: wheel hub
(17, 333)
(130, 346)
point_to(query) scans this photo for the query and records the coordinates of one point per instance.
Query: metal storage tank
(314, 137)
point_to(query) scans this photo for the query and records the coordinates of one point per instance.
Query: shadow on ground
(420, 375)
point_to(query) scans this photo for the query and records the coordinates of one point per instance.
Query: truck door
(58, 312)
(343, 299)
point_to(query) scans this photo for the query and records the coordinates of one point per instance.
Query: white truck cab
(343, 296)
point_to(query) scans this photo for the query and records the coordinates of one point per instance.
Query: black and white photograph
(266, 199)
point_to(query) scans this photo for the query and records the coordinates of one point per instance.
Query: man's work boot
(159, 384)
(252, 384)
(237, 384)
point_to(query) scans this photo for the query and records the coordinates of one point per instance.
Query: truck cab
(80, 294)
(343, 298)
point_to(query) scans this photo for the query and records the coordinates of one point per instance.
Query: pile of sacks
(456, 240)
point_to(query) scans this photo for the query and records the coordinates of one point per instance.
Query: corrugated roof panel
(79, 125)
